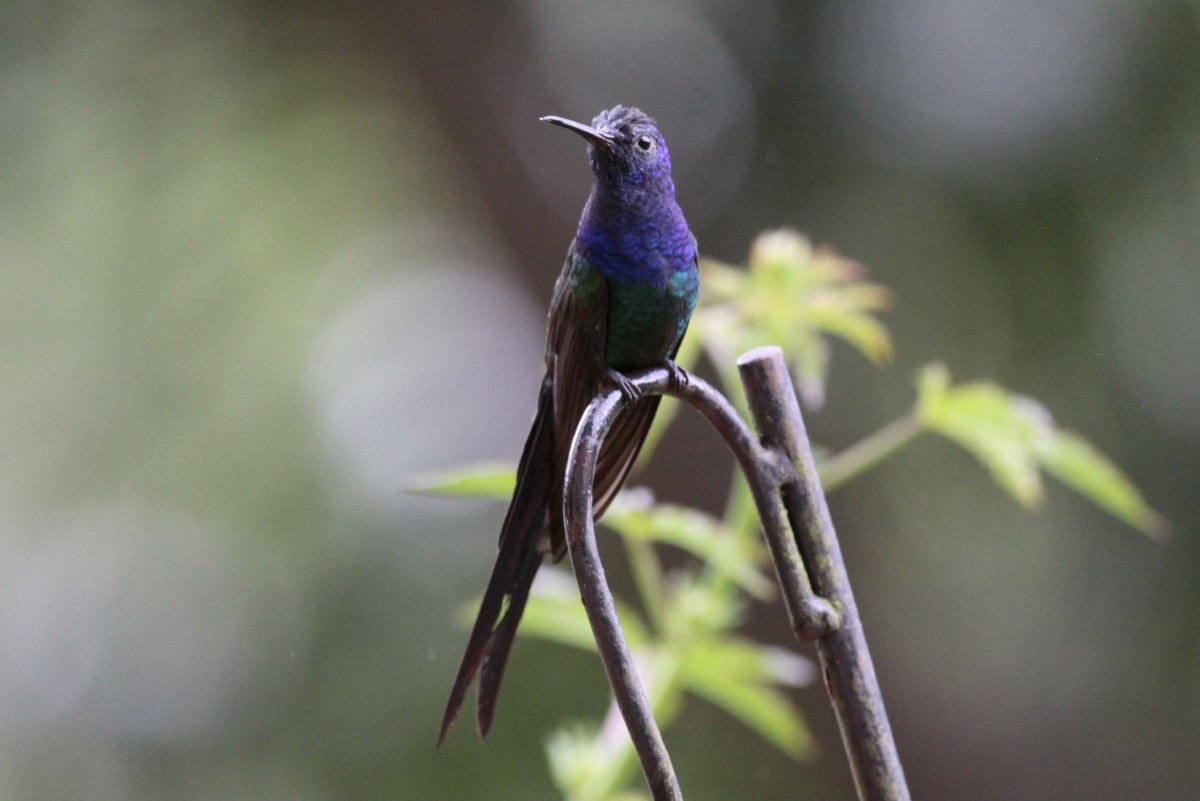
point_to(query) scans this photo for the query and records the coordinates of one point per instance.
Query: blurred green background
(260, 265)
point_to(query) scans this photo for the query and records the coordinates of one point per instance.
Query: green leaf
(794, 296)
(863, 331)
(986, 421)
(1073, 461)
(698, 607)
(570, 754)
(554, 613)
(810, 363)
(740, 659)
(634, 515)
(583, 769)
(494, 481)
(1014, 436)
(736, 675)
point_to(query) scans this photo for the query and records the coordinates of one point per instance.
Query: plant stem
(647, 575)
(868, 452)
(741, 515)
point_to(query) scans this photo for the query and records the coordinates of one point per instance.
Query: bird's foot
(628, 390)
(677, 377)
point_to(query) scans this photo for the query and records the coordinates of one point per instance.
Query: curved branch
(598, 600)
(796, 523)
(810, 615)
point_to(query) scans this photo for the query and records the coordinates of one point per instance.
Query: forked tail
(512, 576)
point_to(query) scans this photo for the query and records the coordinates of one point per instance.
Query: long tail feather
(516, 565)
(501, 641)
(481, 635)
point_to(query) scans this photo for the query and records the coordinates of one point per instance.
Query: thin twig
(648, 576)
(869, 451)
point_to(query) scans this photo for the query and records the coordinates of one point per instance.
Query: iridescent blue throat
(632, 245)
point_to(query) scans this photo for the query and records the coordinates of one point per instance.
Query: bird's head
(629, 157)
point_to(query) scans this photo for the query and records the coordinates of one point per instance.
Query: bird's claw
(628, 389)
(677, 377)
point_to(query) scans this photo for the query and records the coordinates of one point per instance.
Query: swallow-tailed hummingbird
(621, 303)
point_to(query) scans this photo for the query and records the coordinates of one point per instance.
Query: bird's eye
(645, 142)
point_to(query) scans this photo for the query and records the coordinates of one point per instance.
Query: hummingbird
(622, 302)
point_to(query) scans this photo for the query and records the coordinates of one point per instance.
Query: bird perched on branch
(621, 303)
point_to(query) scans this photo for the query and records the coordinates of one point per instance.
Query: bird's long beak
(601, 139)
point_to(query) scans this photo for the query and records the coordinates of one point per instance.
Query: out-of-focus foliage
(734, 558)
(791, 295)
(491, 481)
(797, 295)
(1014, 435)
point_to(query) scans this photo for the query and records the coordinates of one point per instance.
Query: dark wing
(575, 357)
(575, 360)
(620, 450)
